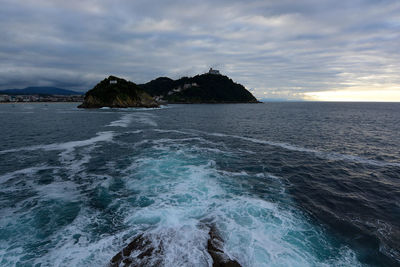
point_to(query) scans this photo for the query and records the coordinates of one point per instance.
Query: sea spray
(80, 197)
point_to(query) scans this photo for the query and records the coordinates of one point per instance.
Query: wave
(136, 109)
(124, 121)
(23, 172)
(100, 137)
(321, 154)
(173, 131)
(180, 194)
(171, 196)
(127, 119)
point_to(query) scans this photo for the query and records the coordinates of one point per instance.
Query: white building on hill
(216, 72)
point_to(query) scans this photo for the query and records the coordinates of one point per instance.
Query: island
(116, 92)
(211, 87)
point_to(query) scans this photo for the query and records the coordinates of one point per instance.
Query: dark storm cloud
(276, 48)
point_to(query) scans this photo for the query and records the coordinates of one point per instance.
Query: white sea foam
(58, 189)
(63, 190)
(146, 120)
(178, 192)
(178, 140)
(183, 195)
(321, 154)
(124, 121)
(100, 137)
(22, 172)
(173, 194)
(138, 109)
(127, 119)
(173, 131)
(76, 247)
(134, 132)
(148, 109)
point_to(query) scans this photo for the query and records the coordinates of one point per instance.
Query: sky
(293, 50)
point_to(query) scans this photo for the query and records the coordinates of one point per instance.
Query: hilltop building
(216, 72)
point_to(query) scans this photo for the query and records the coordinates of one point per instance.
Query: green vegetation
(117, 93)
(205, 88)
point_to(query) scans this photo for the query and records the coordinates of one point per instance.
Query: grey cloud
(276, 48)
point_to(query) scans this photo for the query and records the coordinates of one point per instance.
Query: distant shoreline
(44, 102)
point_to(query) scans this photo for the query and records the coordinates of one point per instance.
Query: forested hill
(204, 88)
(115, 92)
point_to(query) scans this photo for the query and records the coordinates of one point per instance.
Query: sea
(283, 184)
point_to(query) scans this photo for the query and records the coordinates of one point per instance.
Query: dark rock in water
(141, 252)
(136, 253)
(214, 248)
(115, 92)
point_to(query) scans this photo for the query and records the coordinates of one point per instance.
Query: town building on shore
(4, 98)
(41, 98)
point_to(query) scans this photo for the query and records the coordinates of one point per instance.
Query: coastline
(44, 102)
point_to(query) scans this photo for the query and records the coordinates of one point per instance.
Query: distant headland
(211, 87)
(40, 94)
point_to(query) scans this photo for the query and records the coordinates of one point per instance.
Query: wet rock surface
(214, 248)
(141, 252)
(136, 253)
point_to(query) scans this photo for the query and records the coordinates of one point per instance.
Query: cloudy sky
(289, 49)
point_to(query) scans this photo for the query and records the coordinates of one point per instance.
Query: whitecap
(30, 171)
(322, 154)
(183, 194)
(100, 137)
(173, 196)
(126, 119)
(61, 190)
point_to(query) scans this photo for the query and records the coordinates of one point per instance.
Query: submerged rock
(214, 248)
(136, 253)
(142, 252)
(115, 92)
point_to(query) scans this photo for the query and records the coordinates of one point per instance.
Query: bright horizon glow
(280, 49)
(392, 95)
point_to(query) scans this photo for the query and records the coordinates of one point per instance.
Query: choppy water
(285, 184)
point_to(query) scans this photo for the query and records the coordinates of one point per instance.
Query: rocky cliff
(205, 88)
(115, 92)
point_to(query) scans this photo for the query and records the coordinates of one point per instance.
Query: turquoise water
(78, 185)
